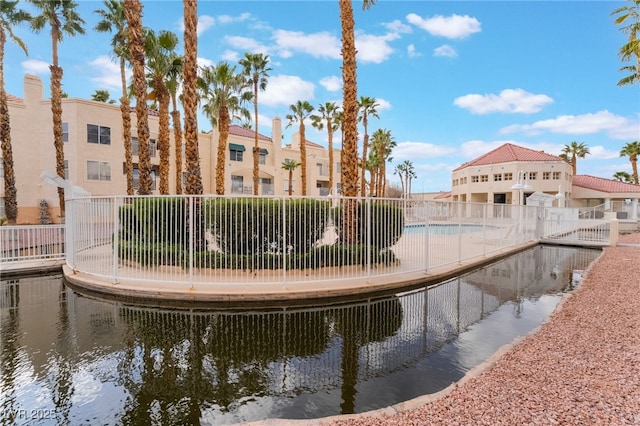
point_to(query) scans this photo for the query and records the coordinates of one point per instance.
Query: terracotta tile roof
(313, 144)
(150, 111)
(604, 185)
(507, 153)
(236, 130)
(12, 98)
(443, 195)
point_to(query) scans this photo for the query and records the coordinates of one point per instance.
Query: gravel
(581, 367)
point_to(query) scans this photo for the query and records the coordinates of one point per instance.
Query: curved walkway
(581, 367)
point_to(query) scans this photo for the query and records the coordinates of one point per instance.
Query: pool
(442, 229)
(70, 359)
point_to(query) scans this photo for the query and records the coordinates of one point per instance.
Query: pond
(70, 359)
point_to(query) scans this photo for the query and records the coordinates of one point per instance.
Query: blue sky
(453, 79)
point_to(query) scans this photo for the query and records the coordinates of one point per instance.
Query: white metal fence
(253, 240)
(30, 243)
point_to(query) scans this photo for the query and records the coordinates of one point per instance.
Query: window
(66, 169)
(338, 167)
(322, 169)
(3, 213)
(262, 156)
(237, 184)
(533, 175)
(546, 175)
(556, 175)
(235, 151)
(475, 179)
(484, 178)
(98, 170)
(65, 132)
(98, 134)
(153, 148)
(508, 176)
(497, 177)
(463, 180)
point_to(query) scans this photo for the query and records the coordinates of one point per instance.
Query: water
(442, 229)
(69, 359)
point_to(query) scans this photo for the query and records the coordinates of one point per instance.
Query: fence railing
(225, 240)
(31, 243)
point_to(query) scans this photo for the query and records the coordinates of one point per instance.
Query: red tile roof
(313, 144)
(12, 98)
(443, 195)
(507, 153)
(236, 130)
(604, 185)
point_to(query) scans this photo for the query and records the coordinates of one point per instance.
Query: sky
(452, 79)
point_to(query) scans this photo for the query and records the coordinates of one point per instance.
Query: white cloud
(416, 151)
(599, 152)
(454, 26)
(397, 26)
(34, 66)
(373, 48)
(617, 127)
(412, 52)
(332, 83)
(287, 90)
(476, 148)
(383, 104)
(107, 73)
(446, 51)
(204, 23)
(228, 19)
(230, 55)
(246, 44)
(318, 45)
(508, 101)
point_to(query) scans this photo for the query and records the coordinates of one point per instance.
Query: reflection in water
(69, 359)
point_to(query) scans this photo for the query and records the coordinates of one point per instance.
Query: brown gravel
(581, 367)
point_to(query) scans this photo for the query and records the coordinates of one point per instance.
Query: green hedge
(387, 224)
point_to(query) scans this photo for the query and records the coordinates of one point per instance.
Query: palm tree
(574, 151)
(161, 62)
(255, 68)
(328, 116)
(101, 96)
(382, 146)
(290, 165)
(10, 15)
(133, 13)
(300, 111)
(63, 19)
(190, 99)
(173, 83)
(630, 14)
(367, 107)
(224, 92)
(114, 20)
(623, 177)
(632, 150)
(406, 172)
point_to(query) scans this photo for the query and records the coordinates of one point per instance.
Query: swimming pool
(442, 228)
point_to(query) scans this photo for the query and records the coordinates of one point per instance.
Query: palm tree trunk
(177, 140)
(349, 155)
(365, 148)
(10, 192)
(133, 11)
(303, 159)
(56, 110)
(256, 148)
(223, 123)
(163, 135)
(330, 130)
(634, 168)
(125, 110)
(190, 70)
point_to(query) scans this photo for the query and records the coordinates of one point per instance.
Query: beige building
(94, 154)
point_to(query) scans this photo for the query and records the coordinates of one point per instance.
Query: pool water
(70, 359)
(442, 229)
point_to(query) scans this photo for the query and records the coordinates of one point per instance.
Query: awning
(236, 147)
(263, 151)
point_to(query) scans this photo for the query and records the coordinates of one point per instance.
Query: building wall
(33, 152)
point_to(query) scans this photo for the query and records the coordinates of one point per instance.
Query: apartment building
(94, 154)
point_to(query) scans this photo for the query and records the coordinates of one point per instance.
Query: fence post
(116, 240)
(614, 232)
(191, 238)
(485, 207)
(426, 241)
(367, 200)
(284, 242)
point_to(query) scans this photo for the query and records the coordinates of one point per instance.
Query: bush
(387, 224)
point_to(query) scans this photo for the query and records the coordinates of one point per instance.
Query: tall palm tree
(161, 63)
(382, 146)
(136, 36)
(349, 153)
(574, 151)
(632, 150)
(299, 112)
(290, 165)
(406, 171)
(113, 19)
(173, 83)
(623, 177)
(190, 99)
(255, 68)
(367, 108)
(630, 15)
(62, 18)
(10, 15)
(224, 93)
(328, 116)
